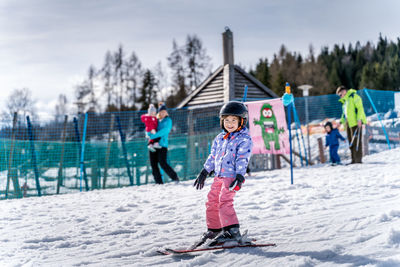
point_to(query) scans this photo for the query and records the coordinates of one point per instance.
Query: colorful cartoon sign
(268, 127)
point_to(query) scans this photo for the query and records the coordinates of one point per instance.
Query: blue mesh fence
(45, 157)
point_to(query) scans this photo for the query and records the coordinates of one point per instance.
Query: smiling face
(231, 123)
(267, 118)
(162, 114)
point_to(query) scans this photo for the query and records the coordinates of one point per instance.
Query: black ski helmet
(329, 124)
(234, 108)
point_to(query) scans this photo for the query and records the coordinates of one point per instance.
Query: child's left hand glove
(199, 183)
(237, 183)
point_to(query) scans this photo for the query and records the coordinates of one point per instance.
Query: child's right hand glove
(199, 183)
(237, 183)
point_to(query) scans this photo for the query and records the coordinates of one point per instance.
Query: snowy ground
(331, 216)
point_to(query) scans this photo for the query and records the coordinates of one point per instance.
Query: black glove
(237, 183)
(199, 183)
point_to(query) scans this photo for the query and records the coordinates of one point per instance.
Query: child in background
(151, 123)
(230, 154)
(332, 140)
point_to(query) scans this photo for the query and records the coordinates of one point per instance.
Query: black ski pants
(160, 157)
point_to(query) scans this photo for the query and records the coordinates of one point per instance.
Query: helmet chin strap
(226, 135)
(237, 130)
(241, 125)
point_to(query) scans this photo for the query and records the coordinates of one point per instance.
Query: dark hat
(162, 107)
(329, 124)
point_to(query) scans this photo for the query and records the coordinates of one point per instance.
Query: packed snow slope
(331, 216)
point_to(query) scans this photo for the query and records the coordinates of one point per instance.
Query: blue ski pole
(287, 100)
(245, 93)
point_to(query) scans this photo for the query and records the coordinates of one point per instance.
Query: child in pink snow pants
(229, 157)
(220, 211)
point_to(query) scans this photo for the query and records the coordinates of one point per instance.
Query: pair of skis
(246, 243)
(169, 251)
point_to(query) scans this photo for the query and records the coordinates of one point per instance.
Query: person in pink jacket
(151, 122)
(229, 157)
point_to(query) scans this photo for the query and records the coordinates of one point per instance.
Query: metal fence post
(108, 151)
(124, 150)
(11, 154)
(60, 167)
(81, 163)
(33, 154)
(83, 153)
(321, 150)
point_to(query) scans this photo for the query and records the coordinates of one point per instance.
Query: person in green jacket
(353, 117)
(159, 156)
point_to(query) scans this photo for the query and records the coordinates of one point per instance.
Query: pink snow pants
(220, 212)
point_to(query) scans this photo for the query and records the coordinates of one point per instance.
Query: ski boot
(231, 236)
(209, 235)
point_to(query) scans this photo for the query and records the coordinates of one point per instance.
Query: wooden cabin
(227, 82)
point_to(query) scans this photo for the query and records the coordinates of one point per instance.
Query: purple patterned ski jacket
(230, 156)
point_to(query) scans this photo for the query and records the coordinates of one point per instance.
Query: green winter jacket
(352, 109)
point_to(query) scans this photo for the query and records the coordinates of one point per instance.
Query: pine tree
(262, 72)
(197, 60)
(161, 81)
(176, 63)
(314, 73)
(61, 108)
(366, 75)
(279, 84)
(133, 73)
(107, 74)
(148, 93)
(93, 103)
(285, 68)
(119, 76)
(81, 91)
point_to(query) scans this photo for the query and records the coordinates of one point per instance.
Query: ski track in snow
(331, 216)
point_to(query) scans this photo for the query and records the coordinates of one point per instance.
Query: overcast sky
(48, 45)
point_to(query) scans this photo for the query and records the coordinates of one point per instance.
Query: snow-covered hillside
(331, 216)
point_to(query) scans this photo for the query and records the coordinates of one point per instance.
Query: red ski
(169, 251)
